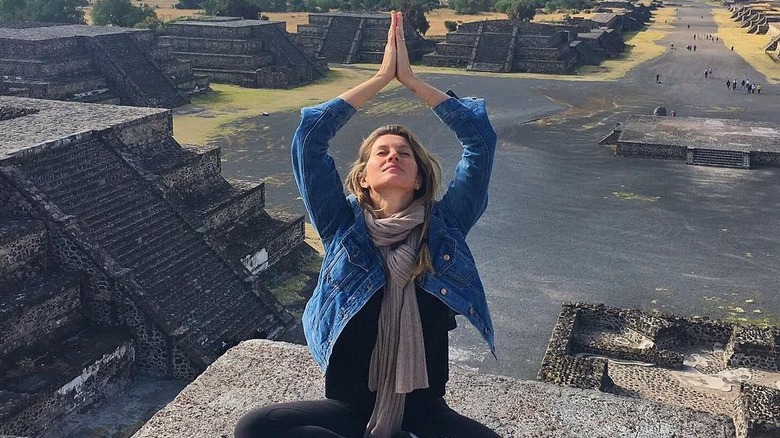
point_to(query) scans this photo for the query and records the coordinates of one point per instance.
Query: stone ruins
(93, 64)
(506, 46)
(760, 19)
(348, 38)
(121, 252)
(519, 46)
(250, 53)
(698, 140)
(697, 363)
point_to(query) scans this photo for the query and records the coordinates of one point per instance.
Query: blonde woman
(396, 269)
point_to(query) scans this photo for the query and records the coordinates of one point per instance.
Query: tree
(472, 6)
(522, 10)
(414, 12)
(120, 13)
(188, 4)
(249, 9)
(50, 11)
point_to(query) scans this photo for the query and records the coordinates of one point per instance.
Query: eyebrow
(399, 146)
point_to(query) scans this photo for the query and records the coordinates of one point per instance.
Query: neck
(389, 204)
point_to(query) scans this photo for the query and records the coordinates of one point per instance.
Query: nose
(393, 155)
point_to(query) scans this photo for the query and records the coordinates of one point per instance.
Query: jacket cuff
(340, 107)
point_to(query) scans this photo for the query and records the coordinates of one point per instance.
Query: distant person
(658, 78)
(396, 270)
(732, 48)
(694, 47)
(728, 84)
(758, 88)
(674, 113)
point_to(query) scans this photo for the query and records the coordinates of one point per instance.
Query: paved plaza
(567, 219)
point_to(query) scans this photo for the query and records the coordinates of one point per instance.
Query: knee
(253, 424)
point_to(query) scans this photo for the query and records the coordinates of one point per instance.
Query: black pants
(334, 419)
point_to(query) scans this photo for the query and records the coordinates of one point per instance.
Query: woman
(396, 267)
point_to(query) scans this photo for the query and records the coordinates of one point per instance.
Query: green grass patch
(208, 115)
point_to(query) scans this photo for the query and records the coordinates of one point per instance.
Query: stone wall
(643, 150)
(586, 336)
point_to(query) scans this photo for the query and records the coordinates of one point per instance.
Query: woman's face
(391, 167)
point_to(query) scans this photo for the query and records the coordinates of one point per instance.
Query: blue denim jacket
(352, 270)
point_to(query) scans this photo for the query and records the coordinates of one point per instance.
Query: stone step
(98, 202)
(114, 233)
(46, 162)
(127, 249)
(184, 292)
(171, 261)
(35, 308)
(90, 177)
(720, 158)
(164, 246)
(156, 88)
(121, 210)
(240, 328)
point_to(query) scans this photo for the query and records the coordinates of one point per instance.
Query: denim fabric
(352, 270)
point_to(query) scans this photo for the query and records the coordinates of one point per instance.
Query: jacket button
(472, 311)
(443, 291)
(446, 257)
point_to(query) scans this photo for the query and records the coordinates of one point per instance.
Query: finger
(400, 25)
(391, 30)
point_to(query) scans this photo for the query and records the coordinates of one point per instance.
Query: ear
(363, 182)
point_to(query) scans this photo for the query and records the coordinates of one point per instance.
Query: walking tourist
(378, 321)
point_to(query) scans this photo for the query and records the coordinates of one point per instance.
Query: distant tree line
(104, 12)
(48, 11)
(124, 13)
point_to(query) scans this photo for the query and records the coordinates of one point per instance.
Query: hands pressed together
(395, 63)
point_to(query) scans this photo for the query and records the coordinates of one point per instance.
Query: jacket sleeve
(467, 195)
(315, 170)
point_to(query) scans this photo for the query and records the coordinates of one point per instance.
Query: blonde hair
(428, 168)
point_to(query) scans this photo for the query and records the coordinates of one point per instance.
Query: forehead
(391, 140)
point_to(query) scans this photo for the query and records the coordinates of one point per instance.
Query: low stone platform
(698, 140)
(257, 373)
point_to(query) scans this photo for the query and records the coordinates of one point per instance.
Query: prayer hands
(395, 63)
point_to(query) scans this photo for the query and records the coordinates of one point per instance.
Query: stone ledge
(258, 372)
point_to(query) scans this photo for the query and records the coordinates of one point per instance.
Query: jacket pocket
(452, 261)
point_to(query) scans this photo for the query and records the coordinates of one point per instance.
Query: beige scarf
(398, 360)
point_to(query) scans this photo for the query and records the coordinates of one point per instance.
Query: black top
(347, 377)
